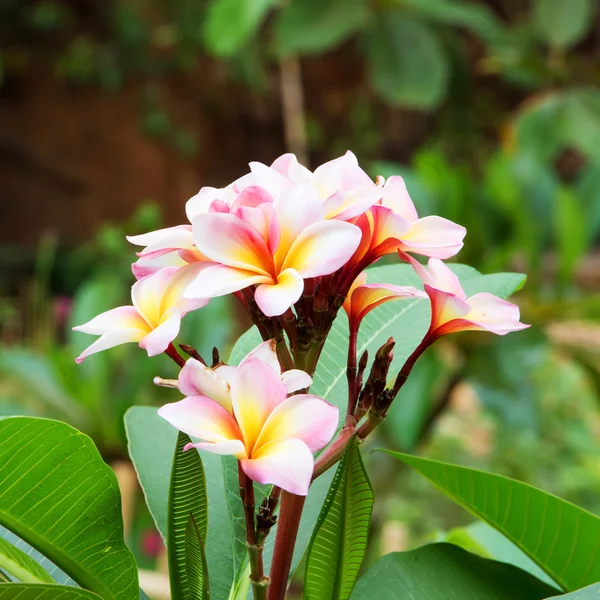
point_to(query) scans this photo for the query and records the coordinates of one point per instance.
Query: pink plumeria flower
(154, 319)
(273, 436)
(362, 298)
(345, 190)
(196, 379)
(452, 311)
(430, 236)
(273, 246)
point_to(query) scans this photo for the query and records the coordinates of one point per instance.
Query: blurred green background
(113, 113)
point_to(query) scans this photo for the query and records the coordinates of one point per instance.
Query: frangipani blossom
(196, 379)
(363, 298)
(273, 437)
(274, 246)
(153, 320)
(452, 311)
(430, 236)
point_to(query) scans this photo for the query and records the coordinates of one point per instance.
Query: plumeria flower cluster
(292, 245)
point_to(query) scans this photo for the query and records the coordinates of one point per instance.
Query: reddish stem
(172, 353)
(351, 371)
(285, 540)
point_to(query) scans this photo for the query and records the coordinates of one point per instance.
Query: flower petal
(438, 276)
(202, 418)
(123, 317)
(170, 238)
(111, 339)
(296, 379)
(360, 280)
(342, 173)
(266, 352)
(304, 417)
(287, 464)
(275, 299)
(220, 280)
(173, 294)
(434, 236)
(256, 390)
(158, 340)
(494, 314)
(147, 295)
(394, 195)
(227, 239)
(288, 165)
(323, 248)
(232, 448)
(355, 202)
(196, 379)
(275, 183)
(445, 308)
(251, 197)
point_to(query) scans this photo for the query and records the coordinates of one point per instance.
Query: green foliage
(36, 591)
(196, 570)
(445, 571)
(63, 493)
(311, 26)
(337, 548)
(187, 520)
(20, 565)
(560, 537)
(399, 50)
(589, 593)
(562, 23)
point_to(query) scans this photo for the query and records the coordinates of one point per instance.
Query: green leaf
(230, 24)
(446, 572)
(187, 500)
(152, 444)
(407, 65)
(591, 592)
(311, 26)
(558, 536)
(561, 23)
(571, 233)
(195, 562)
(21, 566)
(36, 591)
(339, 541)
(406, 321)
(56, 493)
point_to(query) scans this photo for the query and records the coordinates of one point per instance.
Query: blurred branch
(292, 103)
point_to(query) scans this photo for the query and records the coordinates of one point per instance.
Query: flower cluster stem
(173, 354)
(285, 540)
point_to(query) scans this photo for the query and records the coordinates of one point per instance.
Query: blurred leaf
(406, 63)
(65, 493)
(187, 501)
(405, 321)
(230, 24)
(581, 121)
(311, 26)
(339, 542)
(37, 591)
(562, 23)
(588, 190)
(449, 572)
(196, 570)
(486, 541)
(21, 566)
(591, 592)
(152, 444)
(560, 537)
(571, 228)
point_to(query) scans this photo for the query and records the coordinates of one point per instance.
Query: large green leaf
(560, 537)
(591, 592)
(446, 572)
(195, 562)
(406, 321)
(151, 447)
(37, 591)
(306, 26)
(400, 50)
(339, 541)
(230, 24)
(21, 566)
(562, 23)
(187, 499)
(57, 494)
